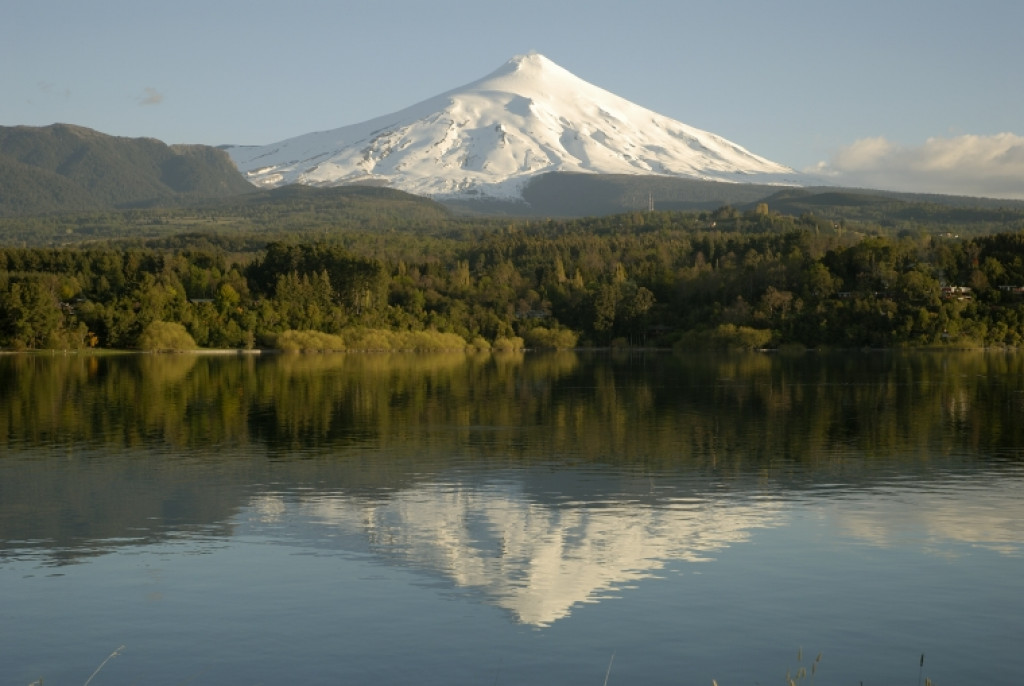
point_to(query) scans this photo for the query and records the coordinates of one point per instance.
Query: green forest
(378, 271)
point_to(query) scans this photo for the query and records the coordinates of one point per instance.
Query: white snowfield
(488, 138)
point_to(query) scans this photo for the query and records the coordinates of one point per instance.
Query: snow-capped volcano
(488, 138)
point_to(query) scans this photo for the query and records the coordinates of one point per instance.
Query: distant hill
(62, 168)
(60, 183)
(895, 210)
(806, 199)
(569, 194)
(251, 218)
(305, 208)
(564, 194)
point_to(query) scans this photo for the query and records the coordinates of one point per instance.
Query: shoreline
(242, 352)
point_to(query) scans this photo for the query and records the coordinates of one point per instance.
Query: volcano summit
(490, 137)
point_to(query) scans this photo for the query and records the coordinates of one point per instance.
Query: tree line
(712, 279)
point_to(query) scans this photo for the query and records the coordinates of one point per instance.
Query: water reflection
(736, 412)
(579, 473)
(68, 506)
(538, 560)
(944, 518)
(533, 559)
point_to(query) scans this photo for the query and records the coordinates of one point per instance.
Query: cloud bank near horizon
(986, 166)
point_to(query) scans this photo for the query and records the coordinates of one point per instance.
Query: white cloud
(152, 97)
(990, 166)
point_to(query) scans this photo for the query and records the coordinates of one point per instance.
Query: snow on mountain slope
(490, 137)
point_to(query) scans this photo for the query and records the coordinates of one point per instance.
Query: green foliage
(309, 341)
(370, 340)
(508, 343)
(166, 337)
(427, 340)
(558, 339)
(719, 279)
(725, 337)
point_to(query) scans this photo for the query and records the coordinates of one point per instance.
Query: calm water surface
(511, 519)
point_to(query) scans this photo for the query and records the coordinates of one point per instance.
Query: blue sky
(918, 94)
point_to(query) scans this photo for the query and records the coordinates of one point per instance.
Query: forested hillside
(61, 168)
(291, 211)
(712, 279)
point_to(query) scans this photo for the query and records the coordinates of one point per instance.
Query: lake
(563, 518)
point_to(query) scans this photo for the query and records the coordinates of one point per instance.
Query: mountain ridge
(66, 167)
(490, 137)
